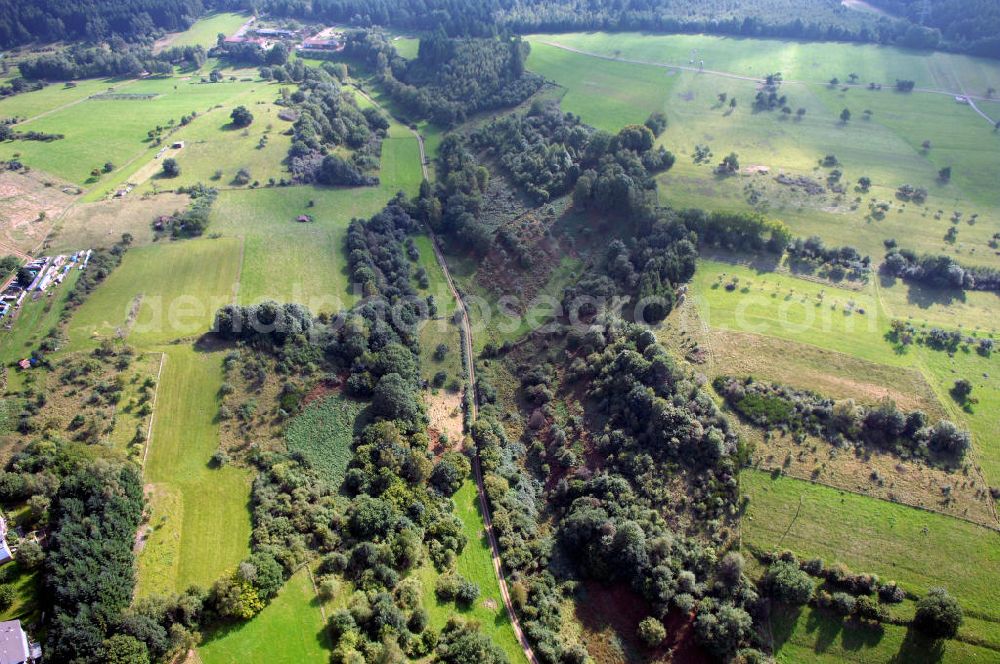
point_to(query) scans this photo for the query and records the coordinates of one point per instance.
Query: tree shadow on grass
(918, 648)
(925, 297)
(826, 629)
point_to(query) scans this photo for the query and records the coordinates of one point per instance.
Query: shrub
(938, 614)
(787, 583)
(652, 632)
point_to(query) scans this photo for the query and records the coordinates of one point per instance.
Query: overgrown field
(322, 433)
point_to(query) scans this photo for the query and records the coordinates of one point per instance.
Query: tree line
(951, 24)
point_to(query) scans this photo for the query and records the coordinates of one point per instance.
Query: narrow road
(739, 77)
(477, 470)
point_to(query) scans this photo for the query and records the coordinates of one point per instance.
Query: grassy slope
(916, 548)
(205, 31)
(476, 565)
(886, 148)
(289, 630)
(791, 308)
(208, 526)
(181, 286)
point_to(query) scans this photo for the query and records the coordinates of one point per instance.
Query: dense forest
(24, 21)
(450, 78)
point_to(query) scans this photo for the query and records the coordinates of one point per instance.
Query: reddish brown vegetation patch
(610, 615)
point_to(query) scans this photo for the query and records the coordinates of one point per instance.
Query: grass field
(476, 565)
(202, 519)
(160, 292)
(784, 306)
(887, 147)
(205, 31)
(916, 548)
(90, 140)
(289, 630)
(322, 433)
(815, 62)
(810, 635)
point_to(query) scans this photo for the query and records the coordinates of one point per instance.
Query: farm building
(321, 44)
(273, 32)
(14, 645)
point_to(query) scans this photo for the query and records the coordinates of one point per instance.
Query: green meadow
(781, 305)
(91, 139)
(205, 30)
(290, 630)
(201, 522)
(918, 549)
(160, 292)
(815, 62)
(475, 564)
(885, 146)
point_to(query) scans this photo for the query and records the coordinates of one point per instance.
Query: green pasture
(475, 564)
(607, 95)
(55, 96)
(785, 306)
(290, 630)
(971, 311)
(918, 549)
(810, 635)
(160, 292)
(983, 418)
(886, 147)
(102, 130)
(205, 30)
(212, 145)
(291, 261)
(815, 62)
(203, 522)
(322, 433)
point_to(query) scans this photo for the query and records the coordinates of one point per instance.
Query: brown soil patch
(89, 225)
(445, 412)
(877, 474)
(23, 197)
(610, 616)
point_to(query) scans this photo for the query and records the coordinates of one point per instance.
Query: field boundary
(771, 470)
(152, 414)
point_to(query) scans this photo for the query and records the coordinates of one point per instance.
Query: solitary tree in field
(926, 145)
(723, 96)
(730, 163)
(171, 168)
(834, 81)
(732, 104)
(241, 117)
(945, 174)
(852, 77)
(938, 614)
(801, 112)
(845, 115)
(864, 183)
